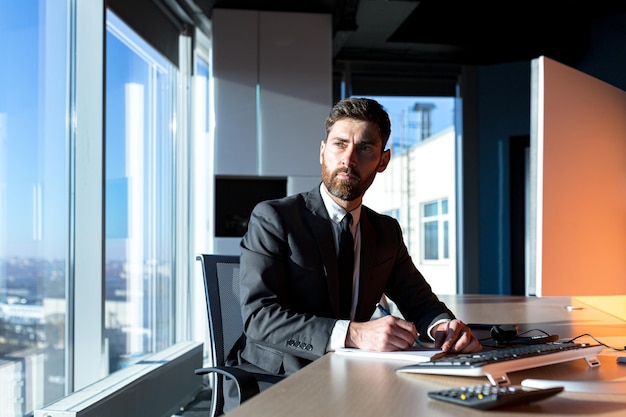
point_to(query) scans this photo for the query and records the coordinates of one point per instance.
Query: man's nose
(349, 155)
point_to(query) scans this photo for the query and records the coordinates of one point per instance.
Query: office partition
(577, 183)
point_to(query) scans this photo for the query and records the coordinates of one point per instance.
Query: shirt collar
(335, 211)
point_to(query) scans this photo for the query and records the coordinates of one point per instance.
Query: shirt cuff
(430, 328)
(338, 335)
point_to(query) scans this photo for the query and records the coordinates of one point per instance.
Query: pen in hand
(384, 312)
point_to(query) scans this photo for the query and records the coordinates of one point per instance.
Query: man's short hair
(364, 109)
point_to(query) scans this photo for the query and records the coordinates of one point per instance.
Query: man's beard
(346, 190)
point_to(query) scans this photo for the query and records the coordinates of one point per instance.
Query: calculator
(487, 396)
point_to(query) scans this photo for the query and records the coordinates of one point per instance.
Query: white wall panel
(235, 70)
(295, 71)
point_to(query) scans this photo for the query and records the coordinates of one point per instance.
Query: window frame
(85, 342)
(442, 221)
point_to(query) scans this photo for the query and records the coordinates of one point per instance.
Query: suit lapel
(318, 221)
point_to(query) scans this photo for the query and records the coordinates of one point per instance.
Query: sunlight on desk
(614, 305)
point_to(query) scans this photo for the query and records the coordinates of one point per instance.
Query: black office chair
(221, 285)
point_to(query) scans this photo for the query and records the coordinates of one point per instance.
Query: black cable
(598, 342)
(534, 330)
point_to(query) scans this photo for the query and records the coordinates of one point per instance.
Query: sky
(442, 115)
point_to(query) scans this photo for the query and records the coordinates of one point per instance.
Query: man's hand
(455, 337)
(385, 334)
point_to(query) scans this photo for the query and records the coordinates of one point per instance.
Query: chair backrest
(221, 285)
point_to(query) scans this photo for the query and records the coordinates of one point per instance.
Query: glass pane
(431, 242)
(203, 76)
(34, 197)
(430, 209)
(444, 206)
(139, 215)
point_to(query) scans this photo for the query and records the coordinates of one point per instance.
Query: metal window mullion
(87, 315)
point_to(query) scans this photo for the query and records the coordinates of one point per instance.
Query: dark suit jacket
(289, 282)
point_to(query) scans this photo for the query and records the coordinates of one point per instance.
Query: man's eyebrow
(369, 141)
(362, 141)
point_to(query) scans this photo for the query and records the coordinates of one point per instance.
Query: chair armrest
(247, 384)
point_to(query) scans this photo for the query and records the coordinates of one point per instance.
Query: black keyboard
(496, 363)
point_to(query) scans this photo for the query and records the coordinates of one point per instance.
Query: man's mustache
(349, 171)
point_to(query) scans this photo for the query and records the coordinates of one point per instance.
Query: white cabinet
(273, 90)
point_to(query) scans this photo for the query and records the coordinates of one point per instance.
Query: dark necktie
(346, 266)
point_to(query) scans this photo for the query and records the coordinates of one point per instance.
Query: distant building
(419, 190)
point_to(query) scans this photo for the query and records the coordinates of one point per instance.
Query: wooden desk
(347, 386)
(549, 314)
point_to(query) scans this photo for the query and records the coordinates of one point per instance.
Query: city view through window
(418, 188)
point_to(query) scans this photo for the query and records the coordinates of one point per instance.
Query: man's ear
(322, 143)
(384, 160)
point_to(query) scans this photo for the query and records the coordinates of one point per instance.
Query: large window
(89, 200)
(139, 216)
(34, 202)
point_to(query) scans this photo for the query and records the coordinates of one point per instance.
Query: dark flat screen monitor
(235, 197)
